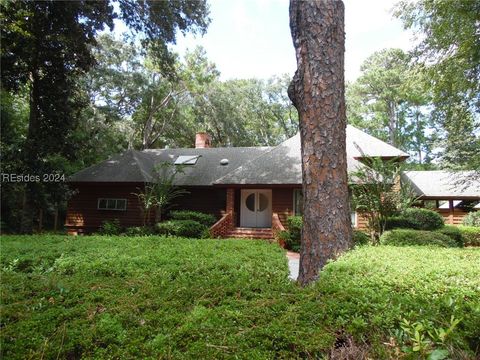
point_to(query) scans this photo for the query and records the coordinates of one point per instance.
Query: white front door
(256, 208)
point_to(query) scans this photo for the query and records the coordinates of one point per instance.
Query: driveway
(293, 264)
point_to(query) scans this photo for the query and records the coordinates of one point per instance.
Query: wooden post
(230, 206)
(451, 211)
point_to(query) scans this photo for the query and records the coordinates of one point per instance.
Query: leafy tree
(245, 112)
(450, 46)
(378, 194)
(158, 111)
(317, 91)
(450, 52)
(389, 101)
(46, 46)
(14, 119)
(165, 113)
(159, 194)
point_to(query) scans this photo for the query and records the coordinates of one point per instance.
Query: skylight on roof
(186, 160)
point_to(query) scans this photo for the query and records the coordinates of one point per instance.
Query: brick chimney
(202, 140)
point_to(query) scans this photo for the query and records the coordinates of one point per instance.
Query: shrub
(109, 294)
(282, 237)
(202, 218)
(110, 227)
(293, 244)
(184, 228)
(471, 235)
(360, 238)
(453, 233)
(423, 219)
(139, 231)
(399, 222)
(472, 219)
(294, 224)
(406, 237)
(293, 235)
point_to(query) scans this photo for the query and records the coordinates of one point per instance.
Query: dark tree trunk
(29, 209)
(318, 93)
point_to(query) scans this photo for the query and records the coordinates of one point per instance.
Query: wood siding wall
(361, 223)
(282, 203)
(204, 199)
(452, 217)
(82, 212)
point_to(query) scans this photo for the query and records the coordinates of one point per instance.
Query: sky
(251, 38)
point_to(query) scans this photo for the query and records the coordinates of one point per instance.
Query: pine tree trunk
(318, 93)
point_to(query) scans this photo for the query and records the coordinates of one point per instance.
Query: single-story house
(251, 190)
(246, 188)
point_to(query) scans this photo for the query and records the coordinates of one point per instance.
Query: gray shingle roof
(283, 165)
(137, 166)
(446, 184)
(246, 165)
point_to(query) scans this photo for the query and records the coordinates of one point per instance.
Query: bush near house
(472, 219)
(423, 219)
(293, 235)
(295, 224)
(360, 238)
(406, 237)
(399, 222)
(155, 297)
(139, 231)
(182, 228)
(110, 227)
(454, 233)
(415, 218)
(202, 218)
(471, 235)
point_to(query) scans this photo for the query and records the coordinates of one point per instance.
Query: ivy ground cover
(152, 297)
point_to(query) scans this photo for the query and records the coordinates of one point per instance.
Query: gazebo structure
(453, 194)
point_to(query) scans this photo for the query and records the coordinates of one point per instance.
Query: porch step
(251, 233)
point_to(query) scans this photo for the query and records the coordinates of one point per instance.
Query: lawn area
(152, 297)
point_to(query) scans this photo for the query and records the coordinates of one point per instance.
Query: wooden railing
(223, 226)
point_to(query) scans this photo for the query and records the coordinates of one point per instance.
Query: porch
(253, 214)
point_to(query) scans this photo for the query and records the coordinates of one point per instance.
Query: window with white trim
(112, 204)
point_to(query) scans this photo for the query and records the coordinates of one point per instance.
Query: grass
(152, 297)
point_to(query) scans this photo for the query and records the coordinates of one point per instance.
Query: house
(249, 189)
(453, 194)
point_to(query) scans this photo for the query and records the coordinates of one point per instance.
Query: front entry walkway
(293, 264)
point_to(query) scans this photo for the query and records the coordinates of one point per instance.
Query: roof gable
(283, 164)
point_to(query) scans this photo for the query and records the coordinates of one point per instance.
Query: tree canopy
(449, 53)
(46, 47)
